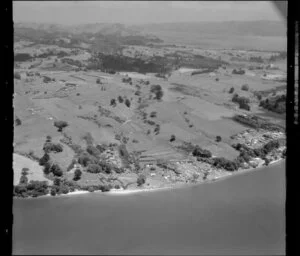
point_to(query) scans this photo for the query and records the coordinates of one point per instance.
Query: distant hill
(238, 28)
(243, 35)
(102, 37)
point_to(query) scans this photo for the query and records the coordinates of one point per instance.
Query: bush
(44, 159)
(17, 75)
(23, 180)
(127, 103)
(218, 138)
(157, 90)
(231, 90)
(51, 147)
(18, 121)
(56, 170)
(113, 102)
(88, 138)
(245, 87)
(173, 137)
(48, 138)
(93, 151)
(244, 105)
(53, 192)
(221, 162)
(153, 114)
(199, 152)
(94, 168)
(98, 81)
(24, 171)
(217, 79)
(238, 72)
(60, 125)
(20, 190)
(107, 168)
(120, 99)
(101, 148)
(141, 180)
(85, 159)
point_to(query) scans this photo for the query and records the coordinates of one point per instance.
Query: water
(240, 215)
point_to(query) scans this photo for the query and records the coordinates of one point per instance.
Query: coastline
(118, 192)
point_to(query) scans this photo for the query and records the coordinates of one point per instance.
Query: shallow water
(239, 215)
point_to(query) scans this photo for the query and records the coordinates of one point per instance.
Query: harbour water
(243, 214)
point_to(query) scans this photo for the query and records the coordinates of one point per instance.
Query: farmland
(121, 116)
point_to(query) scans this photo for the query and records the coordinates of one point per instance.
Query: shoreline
(118, 192)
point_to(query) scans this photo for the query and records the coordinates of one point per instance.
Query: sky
(141, 12)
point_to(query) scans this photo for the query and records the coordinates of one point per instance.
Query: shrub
(153, 114)
(199, 152)
(91, 189)
(218, 138)
(98, 81)
(113, 102)
(20, 190)
(120, 99)
(85, 159)
(88, 138)
(77, 94)
(60, 125)
(244, 105)
(217, 79)
(53, 192)
(94, 168)
(127, 103)
(44, 159)
(107, 168)
(48, 138)
(141, 180)
(23, 180)
(238, 72)
(56, 170)
(37, 188)
(17, 75)
(101, 148)
(231, 90)
(173, 137)
(49, 147)
(93, 151)
(157, 90)
(18, 121)
(24, 171)
(221, 162)
(245, 87)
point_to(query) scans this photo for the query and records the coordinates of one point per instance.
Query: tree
(173, 137)
(48, 138)
(218, 138)
(157, 90)
(245, 87)
(24, 171)
(120, 99)
(201, 152)
(93, 151)
(94, 168)
(231, 90)
(23, 180)
(141, 180)
(60, 125)
(56, 170)
(77, 175)
(153, 114)
(127, 103)
(113, 102)
(18, 121)
(44, 159)
(17, 75)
